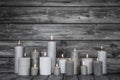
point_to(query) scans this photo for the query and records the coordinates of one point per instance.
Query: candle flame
(45, 53)
(97, 59)
(19, 42)
(51, 37)
(74, 49)
(25, 54)
(101, 47)
(35, 65)
(87, 55)
(35, 50)
(56, 65)
(62, 55)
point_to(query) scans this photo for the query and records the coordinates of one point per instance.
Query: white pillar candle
(45, 65)
(34, 70)
(75, 59)
(89, 63)
(24, 66)
(18, 54)
(52, 52)
(62, 62)
(102, 56)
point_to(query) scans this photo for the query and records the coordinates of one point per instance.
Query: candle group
(45, 65)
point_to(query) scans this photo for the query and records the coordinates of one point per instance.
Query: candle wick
(19, 42)
(62, 55)
(51, 37)
(87, 55)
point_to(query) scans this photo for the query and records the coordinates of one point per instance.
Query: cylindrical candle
(83, 70)
(35, 57)
(69, 68)
(75, 58)
(62, 62)
(102, 56)
(89, 63)
(34, 70)
(45, 65)
(57, 70)
(52, 52)
(18, 54)
(97, 68)
(24, 66)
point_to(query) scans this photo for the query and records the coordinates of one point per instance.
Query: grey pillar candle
(74, 57)
(69, 67)
(18, 54)
(57, 70)
(35, 57)
(52, 52)
(34, 70)
(97, 68)
(83, 70)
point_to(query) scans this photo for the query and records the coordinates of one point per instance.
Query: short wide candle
(89, 63)
(45, 65)
(24, 66)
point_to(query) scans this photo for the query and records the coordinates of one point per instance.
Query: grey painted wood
(40, 78)
(70, 77)
(6, 65)
(85, 77)
(59, 15)
(60, 31)
(59, 3)
(114, 77)
(8, 76)
(53, 77)
(66, 47)
(101, 78)
(24, 78)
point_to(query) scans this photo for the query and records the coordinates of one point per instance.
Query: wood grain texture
(53, 77)
(8, 76)
(114, 77)
(86, 77)
(59, 15)
(6, 65)
(70, 78)
(41, 78)
(60, 31)
(101, 78)
(66, 47)
(60, 3)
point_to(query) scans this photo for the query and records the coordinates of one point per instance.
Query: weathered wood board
(59, 15)
(53, 77)
(40, 78)
(59, 3)
(60, 31)
(70, 77)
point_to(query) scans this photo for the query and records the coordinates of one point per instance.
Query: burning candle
(62, 64)
(45, 65)
(18, 54)
(35, 57)
(57, 70)
(75, 59)
(102, 56)
(69, 70)
(52, 52)
(97, 68)
(89, 63)
(34, 70)
(24, 66)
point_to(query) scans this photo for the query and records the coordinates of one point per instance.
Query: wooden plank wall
(81, 24)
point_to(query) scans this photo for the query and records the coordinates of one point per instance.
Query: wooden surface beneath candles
(12, 76)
